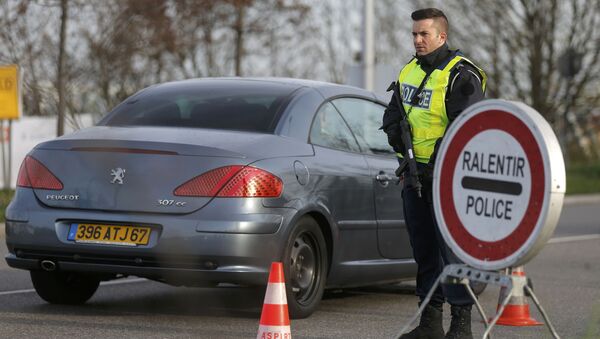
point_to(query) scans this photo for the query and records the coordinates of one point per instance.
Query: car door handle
(383, 178)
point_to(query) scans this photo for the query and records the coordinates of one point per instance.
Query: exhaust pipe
(48, 265)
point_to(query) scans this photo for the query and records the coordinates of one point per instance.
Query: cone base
(274, 332)
(517, 315)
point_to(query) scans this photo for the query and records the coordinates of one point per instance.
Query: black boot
(430, 325)
(460, 326)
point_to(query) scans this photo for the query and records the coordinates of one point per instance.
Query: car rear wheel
(305, 268)
(64, 287)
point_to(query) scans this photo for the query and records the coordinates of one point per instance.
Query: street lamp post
(368, 45)
(569, 64)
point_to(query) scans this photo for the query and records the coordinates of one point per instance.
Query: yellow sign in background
(10, 103)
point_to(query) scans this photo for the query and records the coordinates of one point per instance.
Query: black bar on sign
(490, 185)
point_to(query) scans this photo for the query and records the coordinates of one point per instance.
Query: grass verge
(583, 178)
(5, 196)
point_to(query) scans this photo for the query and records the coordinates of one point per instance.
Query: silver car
(208, 181)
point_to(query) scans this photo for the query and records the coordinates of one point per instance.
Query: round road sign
(498, 184)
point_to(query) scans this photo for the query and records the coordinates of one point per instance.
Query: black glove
(394, 135)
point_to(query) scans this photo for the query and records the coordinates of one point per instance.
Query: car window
(364, 118)
(330, 130)
(237, 107)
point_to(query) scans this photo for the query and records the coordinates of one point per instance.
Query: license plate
(125, 235)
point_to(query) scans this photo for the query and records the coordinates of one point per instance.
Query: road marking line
(16, 292)
(574, 238)
(104, 283)
(118, 282)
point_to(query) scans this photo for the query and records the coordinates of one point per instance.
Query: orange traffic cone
(516, 312)
(274, 320)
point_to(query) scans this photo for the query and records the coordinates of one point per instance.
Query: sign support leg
(462, 274)
(542, 311)
(474, 297)
(491, 324)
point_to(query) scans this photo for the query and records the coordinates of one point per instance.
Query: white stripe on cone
(275, 294)
(273, 332)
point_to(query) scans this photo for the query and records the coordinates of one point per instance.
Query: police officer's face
(427, 37)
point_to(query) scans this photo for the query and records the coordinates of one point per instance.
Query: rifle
(409, 155)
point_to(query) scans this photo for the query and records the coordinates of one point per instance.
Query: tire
(305, 268)
(64, 287)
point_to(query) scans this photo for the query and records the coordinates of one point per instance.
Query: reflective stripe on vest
(428, 119)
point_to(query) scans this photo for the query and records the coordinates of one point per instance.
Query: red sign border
(508, 246)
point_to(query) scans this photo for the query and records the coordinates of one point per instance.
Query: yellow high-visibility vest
(428, 119)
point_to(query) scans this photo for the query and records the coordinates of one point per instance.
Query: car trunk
(127, 175)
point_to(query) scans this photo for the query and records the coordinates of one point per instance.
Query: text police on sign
(497, 166)
(498, 184)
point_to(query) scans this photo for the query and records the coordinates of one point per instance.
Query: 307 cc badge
(171, 202)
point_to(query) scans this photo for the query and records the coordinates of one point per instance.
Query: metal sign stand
(462, 274)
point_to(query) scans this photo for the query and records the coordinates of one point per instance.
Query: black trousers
(429, 248)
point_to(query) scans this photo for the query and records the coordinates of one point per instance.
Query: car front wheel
(305, 268)
(64, 287)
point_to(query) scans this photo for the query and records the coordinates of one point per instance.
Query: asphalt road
(565, 274)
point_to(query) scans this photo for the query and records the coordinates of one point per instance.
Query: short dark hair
(432, 13)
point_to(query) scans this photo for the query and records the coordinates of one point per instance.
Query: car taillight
(233, 181)
(35, 175)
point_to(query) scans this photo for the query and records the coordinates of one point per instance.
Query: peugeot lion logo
(118, 175)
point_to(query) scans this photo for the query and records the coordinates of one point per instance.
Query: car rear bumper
(231, 241)
(183, 257)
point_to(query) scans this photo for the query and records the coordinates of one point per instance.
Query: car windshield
(229, 105)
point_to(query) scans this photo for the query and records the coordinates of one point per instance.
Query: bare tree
(199, 28)
(257, 22)
(239, 30)
(393, 27)
(23, 31)
(31, 31)
(60, 79)
(519, 42)
(525, 41)
(332, 42)
(129, 47)
(117, 47)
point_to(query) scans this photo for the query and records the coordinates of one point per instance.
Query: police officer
(446, 83)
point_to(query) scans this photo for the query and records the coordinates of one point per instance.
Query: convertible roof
(327, 89)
